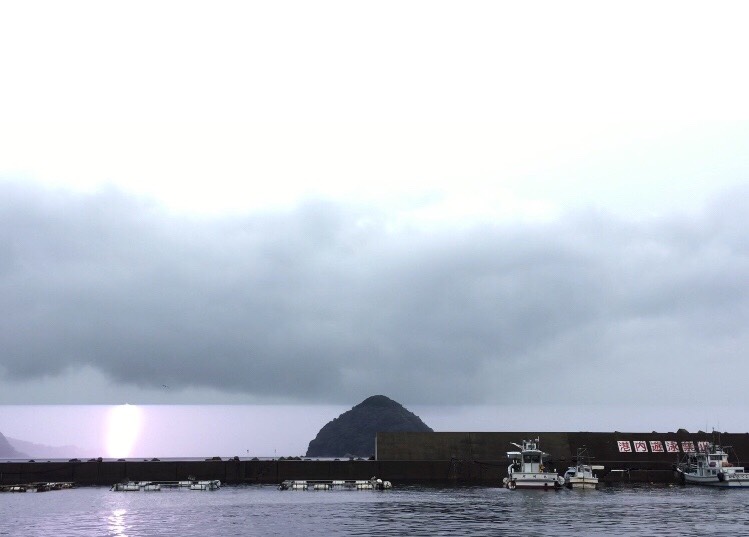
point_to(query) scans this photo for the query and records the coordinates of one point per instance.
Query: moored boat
(528, 468)
(710, 467)
(581, 475)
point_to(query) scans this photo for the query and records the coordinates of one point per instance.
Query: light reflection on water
(117, 522)
(263, 510)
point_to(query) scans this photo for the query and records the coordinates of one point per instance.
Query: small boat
(379, 484)
(711, 467)
(581, 475)
(528, 469)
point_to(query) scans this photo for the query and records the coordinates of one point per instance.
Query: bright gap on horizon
(122, 430)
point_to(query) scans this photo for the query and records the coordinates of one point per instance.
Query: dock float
(335, 484)
(36, 487)
(155, 486)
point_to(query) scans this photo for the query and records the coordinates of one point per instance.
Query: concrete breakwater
(228, 471)
(626, 456)
(426, 458)
(617, 449)
(486, 472)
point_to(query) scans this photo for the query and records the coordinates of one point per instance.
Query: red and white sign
(656, 446)
(661, 446)
(624, 446)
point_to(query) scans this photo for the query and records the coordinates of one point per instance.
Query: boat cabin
(710, 462)
(530, 459)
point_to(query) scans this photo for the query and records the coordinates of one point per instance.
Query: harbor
(476, 458)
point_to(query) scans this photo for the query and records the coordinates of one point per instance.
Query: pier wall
(106, 473)
(618, 449)
(425, 458)
(627, 457)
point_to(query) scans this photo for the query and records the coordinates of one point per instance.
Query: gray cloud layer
(325, 303)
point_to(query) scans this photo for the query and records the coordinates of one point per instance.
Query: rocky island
(352, 434)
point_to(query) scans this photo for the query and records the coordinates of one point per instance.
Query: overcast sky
(311, 203)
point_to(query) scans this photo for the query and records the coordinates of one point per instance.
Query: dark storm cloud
(326, 303)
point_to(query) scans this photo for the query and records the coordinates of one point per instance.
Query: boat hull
(581, 483)
(533, 481)
(728, 480)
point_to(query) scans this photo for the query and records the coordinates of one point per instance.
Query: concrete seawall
(426, 458)
(228, 471)
(478, 457)
(618, 450)
(457, 472)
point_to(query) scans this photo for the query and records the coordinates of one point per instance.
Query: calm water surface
(264, 510)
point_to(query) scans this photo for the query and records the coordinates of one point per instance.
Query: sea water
(407, 510)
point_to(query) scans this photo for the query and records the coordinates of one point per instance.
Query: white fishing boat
(711, 467)
(581, 475)
(528, 469)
